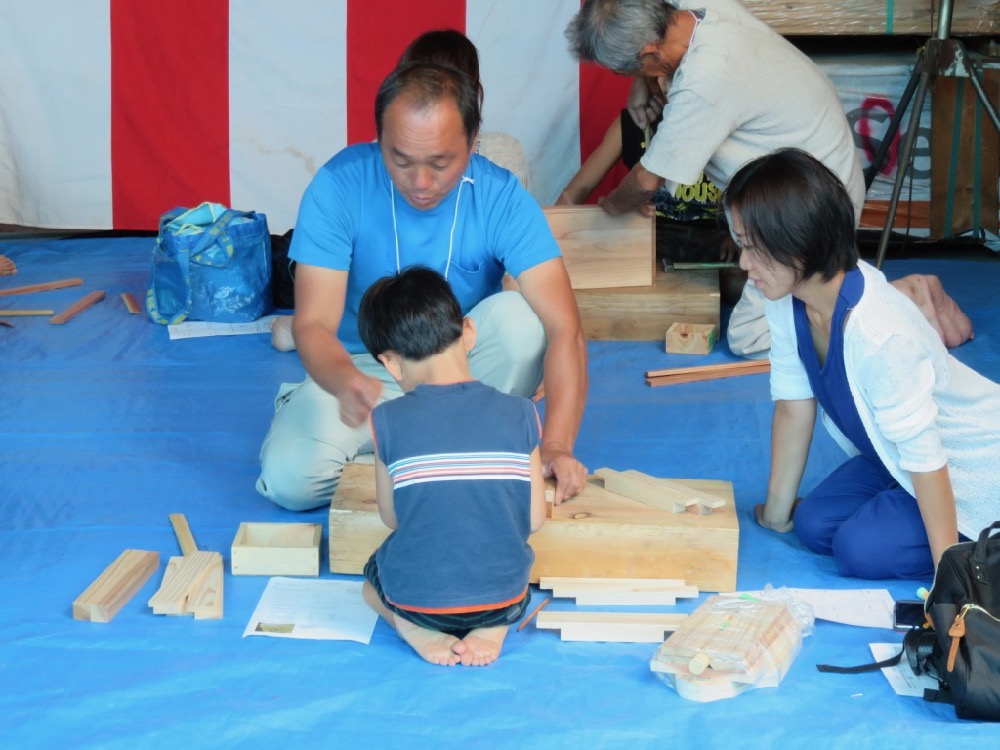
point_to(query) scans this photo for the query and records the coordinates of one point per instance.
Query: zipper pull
(956, 631)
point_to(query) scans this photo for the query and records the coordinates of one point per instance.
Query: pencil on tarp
(531, 615)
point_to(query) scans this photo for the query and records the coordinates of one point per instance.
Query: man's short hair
(413, 313)
(795, 211)
(427, 83)
(613, 32)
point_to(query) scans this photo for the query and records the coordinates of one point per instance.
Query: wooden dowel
(11, 313)
(44, 287)
(531, 615)
(78, 307)
(756, 365)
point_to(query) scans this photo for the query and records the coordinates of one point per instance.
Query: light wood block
(618, 591)
(119, 582)
(601, 250)
(183, 533)
(276, 549)
(664, 494)
(621, 627)
(691, 338)
(192, 585)
(598, 534)
(645, 313)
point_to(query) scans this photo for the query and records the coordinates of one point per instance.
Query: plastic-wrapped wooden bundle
(728, 645)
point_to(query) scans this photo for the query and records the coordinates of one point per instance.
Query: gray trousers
(307, 446)
(748, 335)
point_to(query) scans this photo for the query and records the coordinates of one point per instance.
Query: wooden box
(598, 534)
(645, 313)
(276, 549)
(691, 338)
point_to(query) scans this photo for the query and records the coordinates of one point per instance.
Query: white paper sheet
(901, 677)
(865, 608)
(193, 329)
(314, 609)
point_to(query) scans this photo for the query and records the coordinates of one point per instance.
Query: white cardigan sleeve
(789, 381)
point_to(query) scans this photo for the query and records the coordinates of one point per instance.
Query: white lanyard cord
(454, 223)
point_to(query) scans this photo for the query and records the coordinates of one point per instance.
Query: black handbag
(964, 608)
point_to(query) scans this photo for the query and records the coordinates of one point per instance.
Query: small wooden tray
(276, 549)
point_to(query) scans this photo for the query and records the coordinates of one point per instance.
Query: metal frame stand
(942, 55)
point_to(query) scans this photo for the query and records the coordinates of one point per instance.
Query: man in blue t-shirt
(420, 196)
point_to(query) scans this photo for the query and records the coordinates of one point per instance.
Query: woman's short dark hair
(612, 33)
(794, 209)
(447, 47)
(427, 83)
(413, 313)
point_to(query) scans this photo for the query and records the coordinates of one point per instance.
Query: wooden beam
(119, 582)
(618, 591)
(78, 307)
(130, 303)
(679, 375)
(602, 251)
(183, 533)
(191, 585)
(43, 287)
(664, 494)
(18, 313)
(621, 627)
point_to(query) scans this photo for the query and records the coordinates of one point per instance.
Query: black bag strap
(892, 661)
(978, 561)
(918, 645)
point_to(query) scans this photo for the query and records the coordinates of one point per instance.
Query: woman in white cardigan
(921, 430)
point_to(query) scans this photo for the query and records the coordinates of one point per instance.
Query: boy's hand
(570, 474)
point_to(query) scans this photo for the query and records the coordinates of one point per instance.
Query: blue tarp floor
(107, 427)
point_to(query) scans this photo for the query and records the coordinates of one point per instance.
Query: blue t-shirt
(459, 458)
(829, 383)
(346, 223)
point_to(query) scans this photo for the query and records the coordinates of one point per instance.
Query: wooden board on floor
(601, 250)
(598, 534)
(619, 627)
(646, 313)
(116, 586)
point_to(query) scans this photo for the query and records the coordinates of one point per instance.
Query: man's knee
(290, 476)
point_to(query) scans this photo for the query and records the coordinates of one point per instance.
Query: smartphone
(908, 614)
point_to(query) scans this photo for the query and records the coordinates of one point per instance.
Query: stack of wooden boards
(611, 261)
(598, 534)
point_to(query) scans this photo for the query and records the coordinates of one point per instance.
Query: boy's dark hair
(427, 83)
(413, 313)
(796, 210)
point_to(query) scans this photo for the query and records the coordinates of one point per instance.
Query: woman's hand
(782, 526)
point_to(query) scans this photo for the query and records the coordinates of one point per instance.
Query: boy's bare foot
(432, 645)
(483, 645)
(942, 311)
(281, 333)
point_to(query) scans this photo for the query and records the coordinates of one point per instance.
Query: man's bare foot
(281, 333)
(483, 645)
(941, 311)
(432, 645)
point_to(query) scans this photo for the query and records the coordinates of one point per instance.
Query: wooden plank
(205, 601)
(78, 307)
(603, 251)
(597, 534)
(622, 627)
(612, 591)
(18, 313)
(119, 582)
(691, 338)
(645, 313)
(130, 304)
(708, 372)
(183, 533)
(43, 287)
(864, 18)
(658, 493)
(184, 577)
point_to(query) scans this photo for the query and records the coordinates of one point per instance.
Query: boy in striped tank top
(458, 479)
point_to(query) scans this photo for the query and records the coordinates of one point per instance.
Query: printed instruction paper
(865, 608)
(194, 329)
(313, 609)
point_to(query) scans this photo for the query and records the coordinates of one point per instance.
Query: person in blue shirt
(420, 195)
(458, 478)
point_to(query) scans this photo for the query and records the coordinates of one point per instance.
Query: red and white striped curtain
(114, 111)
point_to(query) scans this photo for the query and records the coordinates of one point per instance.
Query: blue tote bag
(210, 263)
